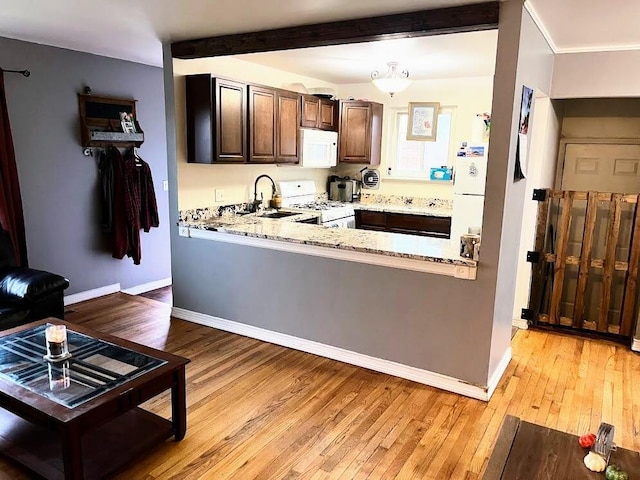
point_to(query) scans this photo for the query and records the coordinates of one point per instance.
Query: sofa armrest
(25, 284)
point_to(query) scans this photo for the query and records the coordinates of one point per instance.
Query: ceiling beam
(465, 18)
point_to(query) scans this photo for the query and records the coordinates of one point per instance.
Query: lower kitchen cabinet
(424, 225)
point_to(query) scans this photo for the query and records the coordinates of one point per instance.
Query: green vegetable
(613, 472)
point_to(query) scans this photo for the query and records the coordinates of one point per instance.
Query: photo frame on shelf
(423, 121)
(127, 122)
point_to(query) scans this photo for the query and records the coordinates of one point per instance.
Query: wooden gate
(585, 261)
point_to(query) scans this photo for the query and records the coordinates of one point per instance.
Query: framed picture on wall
(423, 121)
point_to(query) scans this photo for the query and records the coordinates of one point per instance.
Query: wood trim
(464, 18)
(585, 258)
(629, 301)
(560, 264)
(419, 375)
(537, 270)
(610, 259)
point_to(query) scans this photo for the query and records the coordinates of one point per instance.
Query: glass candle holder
(59, 376)
(56, 336)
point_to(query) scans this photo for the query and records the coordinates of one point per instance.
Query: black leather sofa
(27, 294)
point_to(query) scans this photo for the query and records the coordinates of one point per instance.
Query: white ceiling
(443, 56)
(134, 29)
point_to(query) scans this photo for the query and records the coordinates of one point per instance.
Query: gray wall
(60, 185)
(525, 55)
(428, 321)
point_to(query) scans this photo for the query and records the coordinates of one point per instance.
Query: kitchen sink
(278, 214)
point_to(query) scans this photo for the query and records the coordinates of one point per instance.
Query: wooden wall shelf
(100, 122)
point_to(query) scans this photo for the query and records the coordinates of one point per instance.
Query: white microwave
(318, 148)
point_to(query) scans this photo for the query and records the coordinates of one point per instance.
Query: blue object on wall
(441, 174)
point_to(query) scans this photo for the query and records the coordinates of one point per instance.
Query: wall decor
(522, 147)
(423, 121)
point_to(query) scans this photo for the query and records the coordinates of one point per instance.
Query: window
(414, 159)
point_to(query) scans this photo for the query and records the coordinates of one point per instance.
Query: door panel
(600, 168)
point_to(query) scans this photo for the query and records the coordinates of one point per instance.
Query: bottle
(276, 201)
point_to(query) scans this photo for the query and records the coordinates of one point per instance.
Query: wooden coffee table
(526, 451)
(80, 418)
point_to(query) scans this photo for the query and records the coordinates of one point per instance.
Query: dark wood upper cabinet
(319, 113)
(360, 132)
(230, 101)
(232, 122)
(274, 119)
(262, 124)
(288, 121)
(216, 120)
(329, 115)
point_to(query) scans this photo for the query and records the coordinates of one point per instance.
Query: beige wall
(197, 183)
(467, 96)
(596, 74)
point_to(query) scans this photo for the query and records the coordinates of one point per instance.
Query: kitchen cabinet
(423, 225)
(320, 113)
(216, 114)
(360, 132)
(274, 116)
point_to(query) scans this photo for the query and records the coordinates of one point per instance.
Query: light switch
(165, 185)
(219, 195)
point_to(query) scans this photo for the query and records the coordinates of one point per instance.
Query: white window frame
(422, 176)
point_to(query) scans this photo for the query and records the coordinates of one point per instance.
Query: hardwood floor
(257, 410)
(163, 295)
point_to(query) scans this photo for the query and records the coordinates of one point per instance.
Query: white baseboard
(89, 294)
(520, 323)
(426, 377)
(147, 287)
(499, 372)
(635, 346)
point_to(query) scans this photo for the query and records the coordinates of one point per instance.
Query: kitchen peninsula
(411, 252)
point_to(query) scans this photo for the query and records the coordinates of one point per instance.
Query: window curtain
(11, 216)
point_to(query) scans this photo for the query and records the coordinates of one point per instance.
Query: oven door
(346, 222)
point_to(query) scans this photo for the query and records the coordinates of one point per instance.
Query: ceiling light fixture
(394, 81)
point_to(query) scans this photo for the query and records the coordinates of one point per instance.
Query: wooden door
(230, 120)
(360, 132)
(287, 131)
(262, 124)
(328, 118)
(355, 132)
(606, 168)
(199, 112)
(310, 111)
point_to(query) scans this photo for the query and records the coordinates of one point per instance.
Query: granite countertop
(289, 230)
(435, 211)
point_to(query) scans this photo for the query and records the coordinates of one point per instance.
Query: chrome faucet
(256, 202)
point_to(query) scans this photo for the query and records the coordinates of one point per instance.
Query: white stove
(300, 196)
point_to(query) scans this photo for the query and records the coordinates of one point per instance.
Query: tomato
(587, 441)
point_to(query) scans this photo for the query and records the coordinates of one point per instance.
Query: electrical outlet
(219, 195)
(165, 185)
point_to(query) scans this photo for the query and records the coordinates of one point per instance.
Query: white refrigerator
(468, 193)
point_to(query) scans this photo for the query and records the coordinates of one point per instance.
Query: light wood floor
(258, 410)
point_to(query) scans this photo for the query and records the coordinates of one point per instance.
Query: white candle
(56, 336)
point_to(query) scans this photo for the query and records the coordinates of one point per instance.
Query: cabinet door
(310, 117)
(230, 120)
(288, 120)
(355, 132)
(199, 111)
(328, 119)
(262, 124)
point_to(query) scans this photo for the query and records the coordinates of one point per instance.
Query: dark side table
(525, 451)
